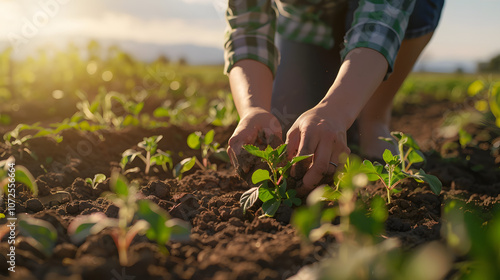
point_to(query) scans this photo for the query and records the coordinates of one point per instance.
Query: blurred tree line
(492, 66)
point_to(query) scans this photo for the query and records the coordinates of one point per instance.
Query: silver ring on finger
(334, 164)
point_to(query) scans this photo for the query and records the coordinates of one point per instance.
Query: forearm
(251, 85)
(359, 76)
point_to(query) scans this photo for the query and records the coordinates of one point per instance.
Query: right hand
(254, 122)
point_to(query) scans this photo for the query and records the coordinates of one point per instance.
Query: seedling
(205, 143)
(274, 193)
(313, 221)
(100, 110)
(11, 173)
(98, 178)
(42, 234)
(184, 166)
(134, 217)
(398, 167)
(15, 137)
(154, 156)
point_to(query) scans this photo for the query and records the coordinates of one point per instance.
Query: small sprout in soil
(134, 217)
(42, 234)
(98, 178)
(398, 167)
(11, 173)
(274, 193)
(18, 137)
(184, 166)
(313, 221)
(205, 143)
(154, 156)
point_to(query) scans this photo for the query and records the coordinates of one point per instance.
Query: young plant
(398, 167)
(134, 217)
(313, 220)
(100, 110)
(184, 166)
(42, 234)
(11, 173)
(18, 139)
(205, 143)
(154, 156)
(272, 190)
(98, 178)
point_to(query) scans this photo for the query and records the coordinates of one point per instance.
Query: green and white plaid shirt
(252, 24)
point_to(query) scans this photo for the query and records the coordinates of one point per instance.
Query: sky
(469, 30)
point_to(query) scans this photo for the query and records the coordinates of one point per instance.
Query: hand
(314, 132)
(257, 125)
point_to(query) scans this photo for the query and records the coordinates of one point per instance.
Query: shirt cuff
(251, 47)
(376, 36)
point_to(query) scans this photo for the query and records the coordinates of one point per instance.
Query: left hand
(315, 132)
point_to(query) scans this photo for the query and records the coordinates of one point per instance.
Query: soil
(224, 243)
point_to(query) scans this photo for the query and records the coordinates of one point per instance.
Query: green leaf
(296, 201)
(156, 217)
(130, 120)
(270, 207)
(209, 137)
(387, 156)
(373, 171)
(43, 233)
(268, 149)
(281, 149)
(331, 194)
(433, 181)
(253, 150)
(476, 87)
(306, 219)
(128, 156)
(99, 178)
(187, 164)
(24, 176)
(81, 226)
(265, 193)
(119, 185)
(260, 175)
(179, 229)
(282, 190)
(161, 112)
(248, 198)
(88, 181)
(291, 196)
(464, 138)
(221, 154)
(415, 156)
(379, 209)
(365, 223)
(194, 140)
(300, 158)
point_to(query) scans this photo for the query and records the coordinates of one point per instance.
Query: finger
(320, 167)
(340, 153)
(292, 141)
(307, 146)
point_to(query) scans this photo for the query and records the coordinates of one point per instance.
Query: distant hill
(194, 54)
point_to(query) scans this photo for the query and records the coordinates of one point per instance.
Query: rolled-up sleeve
(250, 33)
(379, 25)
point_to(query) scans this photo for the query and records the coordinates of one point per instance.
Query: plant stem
(148, 163)
(200, 165)
(122, 251)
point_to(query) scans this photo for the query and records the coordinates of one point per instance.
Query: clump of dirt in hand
(245, 163)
